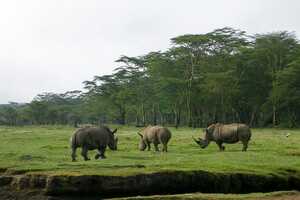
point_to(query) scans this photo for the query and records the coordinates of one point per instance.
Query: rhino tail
(73, 141)
(250, 134)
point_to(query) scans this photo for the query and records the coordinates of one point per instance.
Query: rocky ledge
(174, 182)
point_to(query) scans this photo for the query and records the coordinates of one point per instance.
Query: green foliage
(13, 114)
(221, 76)
(47, 108)
(288, 93)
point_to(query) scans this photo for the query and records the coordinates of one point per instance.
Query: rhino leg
(156, 146)
(84, 152)
(97, 156)
(221, 147)
(149, 146)
(73, 155)
(245, 146)
(100, 154)
(165, 148)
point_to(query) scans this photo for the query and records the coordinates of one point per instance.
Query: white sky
(55, 45)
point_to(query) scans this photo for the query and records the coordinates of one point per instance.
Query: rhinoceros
(226, 133)
(156, 135)
(90, 138)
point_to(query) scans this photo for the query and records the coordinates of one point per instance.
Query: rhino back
(91, 136)
(226, 133)
(150, 134)
(164, 135)
(100, 136)
(231, 133)
(157, 134)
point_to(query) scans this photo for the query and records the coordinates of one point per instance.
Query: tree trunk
(137, 120)
(162, 120)
(122, 115)
(76, 123)
(274, 115)
(154, 115)
(252, 118)
(177, 113)
(143, 115)
(189, 91)
(189, 110)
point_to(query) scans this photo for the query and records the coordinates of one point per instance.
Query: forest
(222, 76)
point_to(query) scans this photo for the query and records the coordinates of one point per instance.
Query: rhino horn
(197, 141)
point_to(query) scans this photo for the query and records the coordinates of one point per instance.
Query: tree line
(223, 76)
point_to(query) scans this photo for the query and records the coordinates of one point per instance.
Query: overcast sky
(55, 45)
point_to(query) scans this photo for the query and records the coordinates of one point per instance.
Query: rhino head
(142, 145)
(113, 140)
(203, 143)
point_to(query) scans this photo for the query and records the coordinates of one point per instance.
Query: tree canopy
(221, 76)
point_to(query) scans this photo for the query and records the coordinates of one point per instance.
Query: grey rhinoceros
(226, 133)
(90, 138)
(156, 135)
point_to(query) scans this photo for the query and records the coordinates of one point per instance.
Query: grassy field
(45, 149)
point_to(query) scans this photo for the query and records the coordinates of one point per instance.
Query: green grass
(46, 149)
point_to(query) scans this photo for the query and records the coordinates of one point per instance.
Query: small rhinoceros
(156, 135)
(90, 138)
(226, 133)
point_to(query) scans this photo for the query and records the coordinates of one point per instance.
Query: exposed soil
(284, 197)
(279, 196)
(176, 182)
(8, 193)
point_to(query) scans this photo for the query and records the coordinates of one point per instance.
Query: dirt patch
(188, 197)
(284, 197)
(291, 195)
(28, 157)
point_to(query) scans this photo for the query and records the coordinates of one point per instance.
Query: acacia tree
(288, 93)
(165, 71)
(109, 90)
(204, 56)
(10, 115)
(139, 87)
(276, 51)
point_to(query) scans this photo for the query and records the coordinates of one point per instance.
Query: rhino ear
(114, 131)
